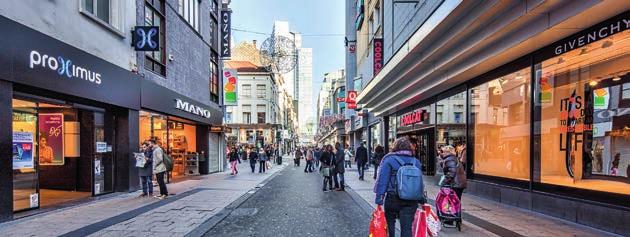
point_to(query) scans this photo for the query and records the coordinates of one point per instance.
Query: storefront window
(584, 102)
(177, 138)
(500, 123)
(451, 122)
(376, 136)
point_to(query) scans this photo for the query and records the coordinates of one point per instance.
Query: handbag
(325, 171)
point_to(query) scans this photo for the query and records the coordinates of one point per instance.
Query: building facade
(75, 98)
(255, 120)
(532, 98)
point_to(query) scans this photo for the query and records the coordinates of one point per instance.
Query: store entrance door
(425, 150)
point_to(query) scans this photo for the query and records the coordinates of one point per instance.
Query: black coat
(339, 162)
(147, 170)
(326, 159)
(253, 157)
(361, 155)
(234, 157)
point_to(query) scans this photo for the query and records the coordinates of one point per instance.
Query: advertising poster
(230, 87)
(51, 139)
(22, 150)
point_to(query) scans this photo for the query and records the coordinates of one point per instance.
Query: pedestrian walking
(252, 156)
(386, 188)
(234, 160)
(262, 161)
(298, 156)
(379, 153)
(326, 167)
(146, 172)
(454, 171)
(348, 157)
(309, 161)
(159, 168)
(361, 157)
(338, 175)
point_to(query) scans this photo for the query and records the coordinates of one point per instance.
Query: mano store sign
(191, 108)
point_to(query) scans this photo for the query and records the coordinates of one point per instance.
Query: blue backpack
(409, 184)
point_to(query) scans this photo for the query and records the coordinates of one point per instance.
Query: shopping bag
(433, 222)
(378, 225)
(419, 227)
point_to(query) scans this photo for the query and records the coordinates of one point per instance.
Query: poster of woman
(51, 139)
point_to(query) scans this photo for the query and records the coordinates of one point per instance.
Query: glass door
(25, 156)
(103, 165)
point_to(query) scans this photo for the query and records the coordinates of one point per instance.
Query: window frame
(113, 12)
(149, 56)
(189, 11)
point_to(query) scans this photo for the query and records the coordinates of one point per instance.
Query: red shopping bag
(432, 221)
(419, 227)
(378, 225)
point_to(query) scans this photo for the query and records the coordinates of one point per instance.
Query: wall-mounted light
(593, 83)
(616, 78)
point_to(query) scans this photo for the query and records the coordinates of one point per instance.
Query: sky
(311, 18)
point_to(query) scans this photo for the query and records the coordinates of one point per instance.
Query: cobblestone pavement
(293, 204)
(195, 201)
(519, 221)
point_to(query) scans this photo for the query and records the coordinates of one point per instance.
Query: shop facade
(547, 131)
(181, 126)
(68, 122)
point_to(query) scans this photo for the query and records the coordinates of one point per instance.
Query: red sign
(378, 55)
(412, 118)
(352, 97)
(341, 99)
(352, 48)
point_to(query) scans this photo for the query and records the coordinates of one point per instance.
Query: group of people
(255, 155)
(154, 165)
(402, 153)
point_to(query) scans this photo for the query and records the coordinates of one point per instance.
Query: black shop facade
(71, 123)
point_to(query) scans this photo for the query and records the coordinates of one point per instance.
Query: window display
(500, 123)
(585, 116)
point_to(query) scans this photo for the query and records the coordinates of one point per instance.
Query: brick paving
(216, 191)
(521, 221)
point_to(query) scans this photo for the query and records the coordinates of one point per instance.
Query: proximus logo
(64, 67)
(146, 38)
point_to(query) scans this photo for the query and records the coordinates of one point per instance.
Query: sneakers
(142, 195)
(162, 196)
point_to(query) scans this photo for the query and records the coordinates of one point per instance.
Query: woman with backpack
(401, 199)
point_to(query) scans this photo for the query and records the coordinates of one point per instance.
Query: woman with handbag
(326, 167)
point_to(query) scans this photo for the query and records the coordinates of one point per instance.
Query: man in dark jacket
(146, 172)
(339, 170)
(362, 157)
(252, 156)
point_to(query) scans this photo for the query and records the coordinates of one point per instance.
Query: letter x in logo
(64, 67)
(145, 38)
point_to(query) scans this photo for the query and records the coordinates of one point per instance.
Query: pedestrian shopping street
(285, 201)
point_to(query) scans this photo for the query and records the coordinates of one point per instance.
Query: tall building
(78, 98)
(531, 100)
(330, 111)
(299, 81)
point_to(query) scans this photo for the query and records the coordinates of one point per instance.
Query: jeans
(253, 165)
(161, 183)
(375, 170)
(339, 180)
(348, 164)
(147, 184)
(309, 166)
(329, 181)
(361, 169)
(263, 167)
(402, 210)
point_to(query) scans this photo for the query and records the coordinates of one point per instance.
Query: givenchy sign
(190, 108)
(603, 30)
(226, 33)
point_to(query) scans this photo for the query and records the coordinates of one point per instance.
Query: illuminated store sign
(190, 108)
(378, 55)
(63, 66)
(414, 117)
